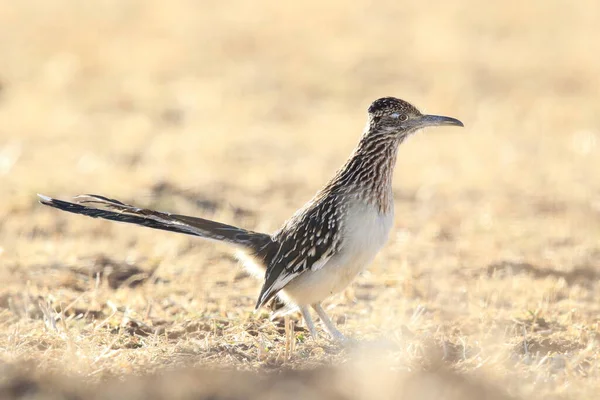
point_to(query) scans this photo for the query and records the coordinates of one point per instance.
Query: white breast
(365, 231)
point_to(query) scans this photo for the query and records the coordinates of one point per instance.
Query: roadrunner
(327, 242)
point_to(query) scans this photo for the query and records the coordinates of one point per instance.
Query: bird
(326, 243)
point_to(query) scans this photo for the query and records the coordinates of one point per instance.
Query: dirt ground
(239, 111)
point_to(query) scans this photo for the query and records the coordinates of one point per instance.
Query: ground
(239, 111)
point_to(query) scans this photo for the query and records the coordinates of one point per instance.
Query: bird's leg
(329, 325)
(309, 322)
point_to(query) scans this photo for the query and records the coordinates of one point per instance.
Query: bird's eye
(400, 117)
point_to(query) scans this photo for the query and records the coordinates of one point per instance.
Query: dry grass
(239, 111)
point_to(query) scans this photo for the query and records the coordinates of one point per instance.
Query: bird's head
(397, 118)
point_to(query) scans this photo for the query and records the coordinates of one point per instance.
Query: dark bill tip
(438, 120)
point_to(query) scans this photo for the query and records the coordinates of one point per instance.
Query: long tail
(101, 207)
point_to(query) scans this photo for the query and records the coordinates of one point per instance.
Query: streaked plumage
(326, 243)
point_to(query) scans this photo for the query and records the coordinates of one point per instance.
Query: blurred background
(240, 111)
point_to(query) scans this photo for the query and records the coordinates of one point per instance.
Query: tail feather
(96, 206)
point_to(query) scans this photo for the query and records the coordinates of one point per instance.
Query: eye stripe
(401, 117)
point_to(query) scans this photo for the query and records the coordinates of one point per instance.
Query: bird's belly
(365, 230)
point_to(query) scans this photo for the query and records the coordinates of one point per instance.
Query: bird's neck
(369, 171)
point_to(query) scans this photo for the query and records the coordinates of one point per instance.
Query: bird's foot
(339, 338)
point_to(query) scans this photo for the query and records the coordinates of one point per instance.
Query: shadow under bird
(327, 242)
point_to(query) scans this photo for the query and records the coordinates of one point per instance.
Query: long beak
(436, 120)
